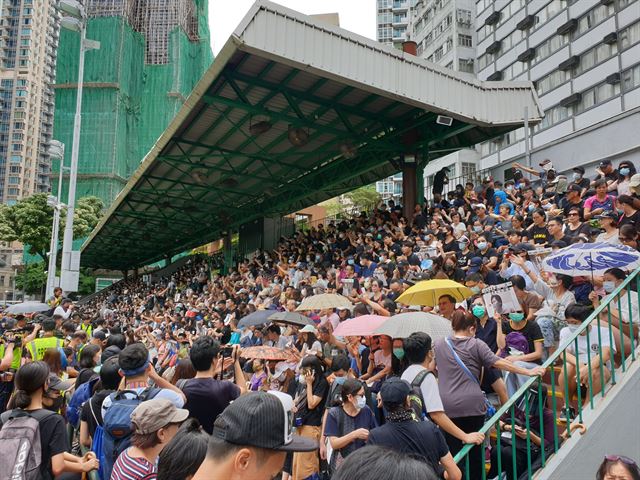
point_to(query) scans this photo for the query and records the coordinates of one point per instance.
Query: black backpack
(415, 397)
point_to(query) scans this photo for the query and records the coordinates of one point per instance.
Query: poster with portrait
(500, 298)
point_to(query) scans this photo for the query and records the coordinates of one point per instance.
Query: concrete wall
(613, 428)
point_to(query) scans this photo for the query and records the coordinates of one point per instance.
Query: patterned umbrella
(263, 352)
(324, 301)
(404, 324)
(583, 259)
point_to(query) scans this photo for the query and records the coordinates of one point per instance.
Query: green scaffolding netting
(126, 103)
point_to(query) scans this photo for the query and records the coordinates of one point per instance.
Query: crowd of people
(148, 378)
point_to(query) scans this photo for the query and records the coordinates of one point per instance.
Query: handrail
(510, 406)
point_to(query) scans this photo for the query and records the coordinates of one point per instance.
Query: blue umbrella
(583, 259)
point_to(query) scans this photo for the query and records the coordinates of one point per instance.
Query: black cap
(604, 163)
(262, 420)
(580, 170)
(522, 247)
(394, 390)
(612, 215)
(574, 187)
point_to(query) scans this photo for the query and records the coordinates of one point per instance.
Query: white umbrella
(588, 259)
(404, 324)
(27, 307)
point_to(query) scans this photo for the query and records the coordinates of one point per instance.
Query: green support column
(228, 254)
(420, 182)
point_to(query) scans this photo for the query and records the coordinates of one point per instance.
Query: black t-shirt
(584, 228)
(491, 252)
(53, 441)
(539, 235)
(413, 259)
(463, 258)
(313, 418)
(419, 438)
(567, 205)
(207, 398)
(633, 220)
(94, 405)
(531, 331)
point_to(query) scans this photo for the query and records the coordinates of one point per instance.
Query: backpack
(415, 396)
(21, 452)
(97, 442)
(335, 395)
(117, 425)
(81, 395)
(517, 341)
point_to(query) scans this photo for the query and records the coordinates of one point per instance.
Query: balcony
(526, 23)
(567, 27)
(570, 63)
(493, 18)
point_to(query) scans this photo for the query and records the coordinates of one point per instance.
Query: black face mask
(57, 404)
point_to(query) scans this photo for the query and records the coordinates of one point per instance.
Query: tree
(364, 198)
(32, 279)
(29, 222)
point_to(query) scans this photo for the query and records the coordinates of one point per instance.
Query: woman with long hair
(182, 456)
(31, 398)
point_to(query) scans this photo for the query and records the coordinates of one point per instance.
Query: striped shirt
(130, 468)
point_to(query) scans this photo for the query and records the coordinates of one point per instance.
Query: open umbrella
(404, 324)
(428, 292)
(291, 318)
(27, 307)
(363, 325)
(324, 301)
(259, 317)
(263, 352)
(588, 259)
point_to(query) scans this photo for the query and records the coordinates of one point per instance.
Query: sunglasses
(620, 458)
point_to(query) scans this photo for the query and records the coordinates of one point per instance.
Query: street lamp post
(76, 20)
(56, 149)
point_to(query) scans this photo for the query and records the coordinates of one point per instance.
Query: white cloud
(358, 16)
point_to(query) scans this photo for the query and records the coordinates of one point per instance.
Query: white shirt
(593, 346)
(428, 387)
(170, 395)
(60, 311)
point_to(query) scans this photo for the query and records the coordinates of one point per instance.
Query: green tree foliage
(30, 220)
(32, 279)
(364, 198)
(87, 282)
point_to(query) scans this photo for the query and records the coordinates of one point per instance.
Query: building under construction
(152, 54)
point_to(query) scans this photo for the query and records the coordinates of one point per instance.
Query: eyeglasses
(620, 458)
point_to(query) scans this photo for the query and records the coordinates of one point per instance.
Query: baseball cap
(100, 335)
(522, 247)
(579, 170)
(479, 205)
(574, 187)
(262, 420)
(394, 390)
(56, 383)
(475, 264)
(612, 215)
(151, 415)
(604, 163)
(308, 329)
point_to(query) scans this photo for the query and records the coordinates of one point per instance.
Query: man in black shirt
(554, 227)
(404, 434)
(91, 414)
(605, 170)
(631, 215)
(572, 199)
(578, 179)
(439, 179)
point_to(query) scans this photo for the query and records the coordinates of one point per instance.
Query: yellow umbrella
(428, 292)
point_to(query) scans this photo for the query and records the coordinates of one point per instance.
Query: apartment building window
(384, 4)
(399, 32)
(550, 10)
(438, 53)
(485, 60)
(512, 39)
(592, 18)
(465, 40)
(14, 192)
(509, 10)
(14, 180)
(16, 158)
(513, 70)
(624, 3)
(551, 81)
(484, 31)
(595, 56)
(630, 36)
(554, 115)
(384, 32)
(550, 46)
(465, 65)
(385, 17)
(25, 31)
(16, 147)
(631, 78)
(596, 95)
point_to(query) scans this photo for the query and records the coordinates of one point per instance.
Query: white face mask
(361, 402)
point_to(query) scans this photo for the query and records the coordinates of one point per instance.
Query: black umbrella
(259, 317)
(291, 318)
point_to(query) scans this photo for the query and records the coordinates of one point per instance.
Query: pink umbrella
(360, 326)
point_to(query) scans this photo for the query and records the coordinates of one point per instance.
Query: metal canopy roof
(361, 104)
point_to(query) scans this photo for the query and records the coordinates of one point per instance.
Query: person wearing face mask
(347, 425)
(485, 250)
(486, 329)
(32, 398)
(598, 346)
(578, 178)
(611, 280)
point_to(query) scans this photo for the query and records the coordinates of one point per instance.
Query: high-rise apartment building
(393, 19)
(152, 54)
(27, 69)
(28, 45)
(584, 59)
(444, 31)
